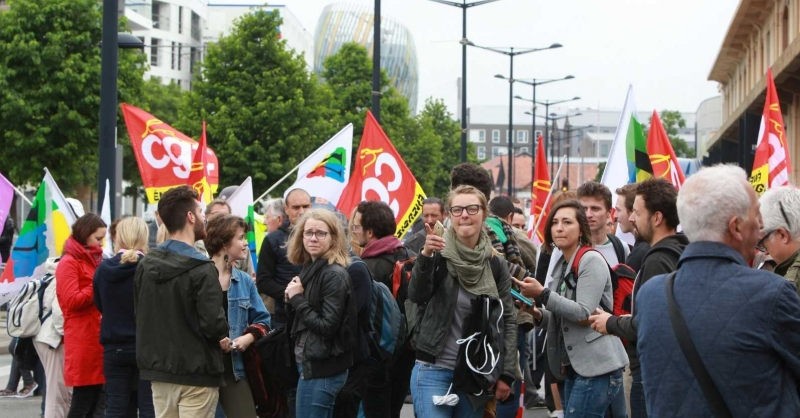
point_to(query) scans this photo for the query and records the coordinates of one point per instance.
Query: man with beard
(432, 211)
(181, 329)
(622, 211)
(655, 217)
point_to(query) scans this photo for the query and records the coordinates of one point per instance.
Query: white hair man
(744, 323)
(274, 215)
(780, 235)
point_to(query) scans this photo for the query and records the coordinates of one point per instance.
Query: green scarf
(470, 266)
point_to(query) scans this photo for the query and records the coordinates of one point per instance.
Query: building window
(195, 26)
(481, 153)
(496, 152)
(174, 51)
(180, 20)
(154, 44)
(495, 136)
(477, 135)
(523, 150)
(522, 136)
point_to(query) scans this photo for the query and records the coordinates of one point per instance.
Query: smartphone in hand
(518, 296)
(438, 229)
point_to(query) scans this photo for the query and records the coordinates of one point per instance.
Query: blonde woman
(324, 315)
(113, 296)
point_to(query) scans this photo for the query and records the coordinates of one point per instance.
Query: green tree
(443, 133)
(265, 112)
(673, 122)
(50, 90)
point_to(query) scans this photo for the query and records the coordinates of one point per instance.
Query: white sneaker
(27, 391)
(558, 413)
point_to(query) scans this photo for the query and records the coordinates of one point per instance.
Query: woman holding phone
(590, 363)
(456, 279)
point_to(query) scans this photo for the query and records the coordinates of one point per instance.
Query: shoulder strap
(578, 255)
(710, 391)
(619, 250)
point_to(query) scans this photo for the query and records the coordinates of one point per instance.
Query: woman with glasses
(589, 362)
(322, 313)
(466, 339)
(248, 319)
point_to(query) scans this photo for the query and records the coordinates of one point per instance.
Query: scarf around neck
(470, 266)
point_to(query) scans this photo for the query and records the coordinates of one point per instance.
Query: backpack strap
(619, 248)
(715, 400)
(576, 263)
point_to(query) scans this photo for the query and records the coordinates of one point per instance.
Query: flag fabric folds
(41, 235)
(6, 197)
(105, 214)
(662, 160)
(540, 205)
(771, 164)
(381, 174)
(326, 171)
(620, 167)
(198, 175)
(164, 154)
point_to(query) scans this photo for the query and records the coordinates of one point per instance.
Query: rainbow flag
(326, 172)
(42, 235)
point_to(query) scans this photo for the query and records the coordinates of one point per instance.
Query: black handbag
(278, 366)
(710, 391)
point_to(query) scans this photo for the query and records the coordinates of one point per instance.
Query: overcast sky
(665, 49)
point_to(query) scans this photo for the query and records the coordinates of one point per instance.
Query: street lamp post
(464, 6)
(511, 53)
(376, 61)
(111, 41)
(560, 139)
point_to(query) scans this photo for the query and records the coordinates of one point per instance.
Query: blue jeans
(125, 392)
(427, 381)
(508, 409)
(590, 396)
(638, 409)
(316, 397)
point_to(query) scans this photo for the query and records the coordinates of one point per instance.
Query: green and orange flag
(771, 165)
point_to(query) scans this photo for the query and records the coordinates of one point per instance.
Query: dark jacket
(662, 258)
(274, 270)
(179, 317)
(636, 257)
(431, 286)
(326, 313)
(361, 283)
(381, 255)
(113, 296)
(745, 324)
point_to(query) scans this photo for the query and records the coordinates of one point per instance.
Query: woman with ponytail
(113, 296)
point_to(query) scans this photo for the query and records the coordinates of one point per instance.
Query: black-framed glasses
(760, 245)
(471, 209)
(318, 234)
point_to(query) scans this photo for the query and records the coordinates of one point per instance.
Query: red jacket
(83, 354)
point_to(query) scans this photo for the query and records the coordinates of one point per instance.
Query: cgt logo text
(160, 152)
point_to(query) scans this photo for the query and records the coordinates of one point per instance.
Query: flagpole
(547, 199)
(299, 164)
(277, 183)
(22, 195)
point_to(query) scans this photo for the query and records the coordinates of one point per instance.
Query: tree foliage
(50, 89)
(673, 122)
(265, 112)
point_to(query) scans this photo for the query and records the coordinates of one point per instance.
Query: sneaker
(558, 413)
(27, 391)
(534, 402)
(6, 393)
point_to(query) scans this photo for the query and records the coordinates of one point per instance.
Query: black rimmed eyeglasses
(760, 245)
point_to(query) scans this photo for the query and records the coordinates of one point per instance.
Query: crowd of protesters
(176, 326)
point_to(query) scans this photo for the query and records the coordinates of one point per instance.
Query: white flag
(241, 198)
(326, 171)
(105, 214)
(617, 171)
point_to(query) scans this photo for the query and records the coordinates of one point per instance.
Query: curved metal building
(341, 23)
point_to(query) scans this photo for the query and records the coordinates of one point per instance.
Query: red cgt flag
(771, 165)
(198, 176)
(540, 203)
(381, 174)
(164, 154)
(662, 156)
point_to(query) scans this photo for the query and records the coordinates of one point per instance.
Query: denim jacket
(245, 307)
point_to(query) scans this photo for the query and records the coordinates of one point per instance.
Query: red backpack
(622, 279)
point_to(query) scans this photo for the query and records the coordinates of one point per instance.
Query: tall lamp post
(553, 117)
(464, 6)
(546, 104)
(376, 61)
(511, 53)
(111, 41)
(533, 83)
